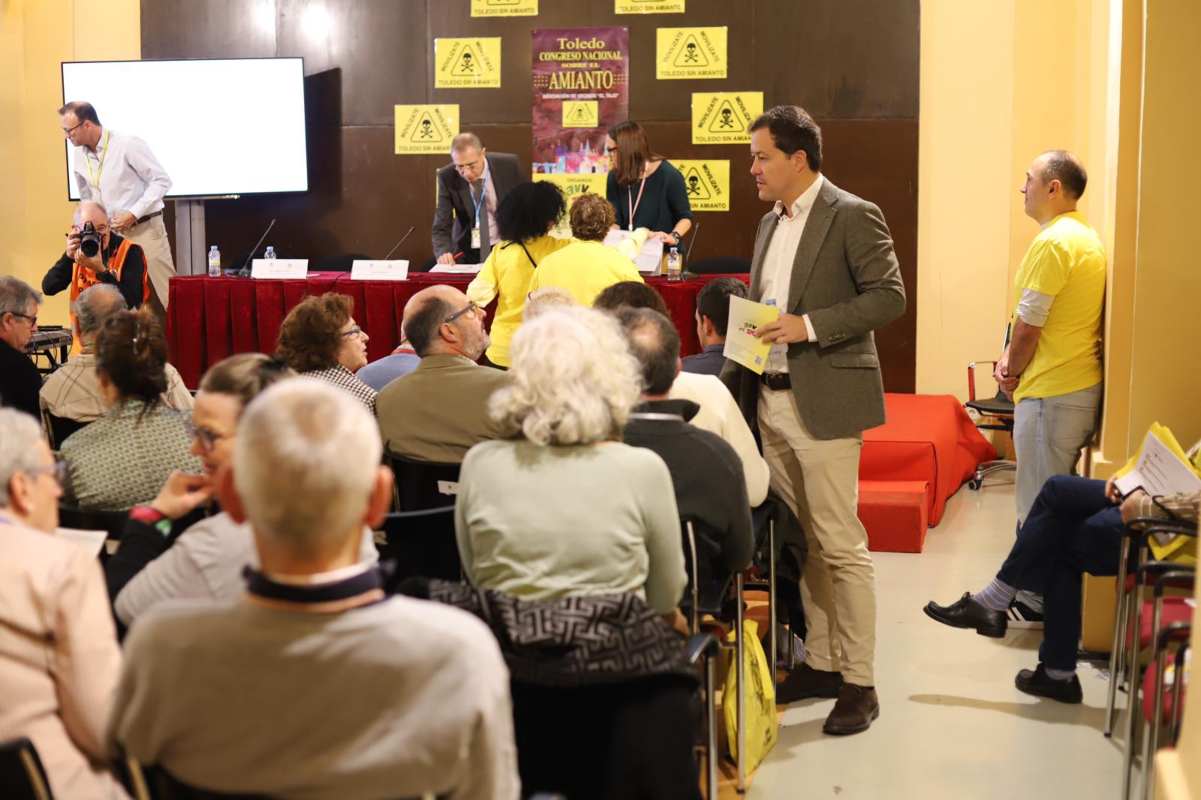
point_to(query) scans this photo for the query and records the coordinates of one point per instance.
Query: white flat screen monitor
(218, 126)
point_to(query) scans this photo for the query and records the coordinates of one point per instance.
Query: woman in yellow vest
(525, 219)
(118, 261)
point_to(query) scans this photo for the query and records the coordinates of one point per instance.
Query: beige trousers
(151, 236)
(819, 480)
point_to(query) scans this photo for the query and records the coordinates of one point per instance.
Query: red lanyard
(633, 204)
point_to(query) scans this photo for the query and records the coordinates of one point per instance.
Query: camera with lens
(89, 240)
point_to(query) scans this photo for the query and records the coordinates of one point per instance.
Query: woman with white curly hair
(562, 507)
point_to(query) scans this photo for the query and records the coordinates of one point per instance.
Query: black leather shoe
(805, 681)
(1039, 684)
(967, 613)
(854, 712)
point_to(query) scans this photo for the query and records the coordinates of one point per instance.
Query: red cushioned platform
(894, 513)
(928, 437)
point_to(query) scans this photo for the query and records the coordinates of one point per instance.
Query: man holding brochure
(824, 258)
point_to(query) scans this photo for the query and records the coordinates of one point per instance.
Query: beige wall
(37, 35)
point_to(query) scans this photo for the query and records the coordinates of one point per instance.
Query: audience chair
(163, 785)
(709, 598)
(21, 772)
(423, 484)
(111, 522)
(422, 544)
(59, 428)
(993, 414)
(1153, 710)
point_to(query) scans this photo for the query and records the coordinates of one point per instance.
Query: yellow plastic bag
(762, 726)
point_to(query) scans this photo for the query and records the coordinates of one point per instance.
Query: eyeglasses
(468, 165)
(470, 308)
(207, 437)
(354, 331)
(57, 470)
(33, 320)
(73, 128)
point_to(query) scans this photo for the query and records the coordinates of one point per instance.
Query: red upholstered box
(895, 515)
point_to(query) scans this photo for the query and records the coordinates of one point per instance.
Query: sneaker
(1024, 617)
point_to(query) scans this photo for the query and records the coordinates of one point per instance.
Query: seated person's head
(591, 217)
(529, 210)
(225, 391)
(542, 300)
(441, 320)
(655, 343)
(29, 480)
(320, 333)
(307, 476)
(713, 309)
(131, 358)
(630, 294)
(573, 380)
(18, 312)
(94, 305)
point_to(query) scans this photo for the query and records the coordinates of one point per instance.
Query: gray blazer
(845, 277)
(455, 214)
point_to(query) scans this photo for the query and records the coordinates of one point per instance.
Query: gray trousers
(1048, 435)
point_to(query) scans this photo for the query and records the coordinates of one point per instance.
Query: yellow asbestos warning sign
(467, 63)
(648, 6)
(724, 117)
(572, 187)
(426, 128)
(504, 8)
(581, 114)
(707, 183)
(690, 53)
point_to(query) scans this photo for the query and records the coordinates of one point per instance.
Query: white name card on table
(280, 268)
(375, 270)
(457, 269)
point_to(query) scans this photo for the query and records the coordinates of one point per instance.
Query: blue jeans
(1048, 435)
(1072, 528)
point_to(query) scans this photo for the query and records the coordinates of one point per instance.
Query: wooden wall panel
(853, 63)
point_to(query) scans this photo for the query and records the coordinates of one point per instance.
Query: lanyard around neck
(633, 204)
(95, 178)
(479, 204)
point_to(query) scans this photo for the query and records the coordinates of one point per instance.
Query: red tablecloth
(926, 438)
(209, 319)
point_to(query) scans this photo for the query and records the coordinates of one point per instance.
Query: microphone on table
(398, 244)
(245, 270)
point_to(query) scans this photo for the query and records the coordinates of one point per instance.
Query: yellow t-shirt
(506, 275)
(1067, 261)
(584, 269)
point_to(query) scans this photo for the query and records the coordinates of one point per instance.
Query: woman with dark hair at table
(319, 339)
(525, 219)
(645, 189)
(587, 266)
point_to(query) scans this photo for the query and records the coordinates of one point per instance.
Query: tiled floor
(952, 725)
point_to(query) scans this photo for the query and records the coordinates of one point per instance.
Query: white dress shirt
(122, 174)
(777, 265)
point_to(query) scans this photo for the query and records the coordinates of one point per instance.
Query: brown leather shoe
(805, 681)
(857, 706)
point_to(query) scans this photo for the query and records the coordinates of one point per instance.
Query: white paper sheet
(91, 541)
(648, 259)
(456, 269)
(1158, 471)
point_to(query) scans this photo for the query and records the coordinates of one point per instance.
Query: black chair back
(720, 265)
(422, 544)
(163, 785)
(59, 428)
(21, 773)
(111, 522)
(423, 484)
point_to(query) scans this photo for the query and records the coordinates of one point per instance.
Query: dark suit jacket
(846, 278)
(451, 232)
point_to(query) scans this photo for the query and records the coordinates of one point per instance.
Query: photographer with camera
(95, 254)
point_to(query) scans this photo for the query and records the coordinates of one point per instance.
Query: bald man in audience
(439, 410)
(314, 683)
(59, 660)
(72, 391)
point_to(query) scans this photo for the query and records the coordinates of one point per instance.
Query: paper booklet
(742, 346)
(645, 252)
(1159, 468)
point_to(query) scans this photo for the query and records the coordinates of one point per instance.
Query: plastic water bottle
(214, 262)
(675, 265)
(269, 253)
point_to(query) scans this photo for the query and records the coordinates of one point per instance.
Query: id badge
(475, 238)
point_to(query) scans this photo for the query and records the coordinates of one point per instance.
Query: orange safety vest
(84, 278)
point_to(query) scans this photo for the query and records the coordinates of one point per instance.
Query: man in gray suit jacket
(470, 189)
(825, 257)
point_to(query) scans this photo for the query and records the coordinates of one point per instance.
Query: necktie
(477, 191)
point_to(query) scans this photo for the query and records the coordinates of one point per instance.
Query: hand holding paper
(743, 345)
(787, 329)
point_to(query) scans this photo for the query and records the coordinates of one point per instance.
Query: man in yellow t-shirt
(1052, 364)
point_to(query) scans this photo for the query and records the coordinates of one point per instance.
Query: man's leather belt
(776, 380)
(148, 217)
